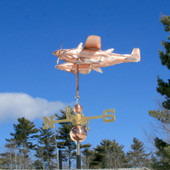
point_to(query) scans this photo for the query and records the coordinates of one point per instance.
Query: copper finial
(78, 108)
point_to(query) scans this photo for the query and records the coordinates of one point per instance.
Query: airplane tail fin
(136, 54)
(80, 46)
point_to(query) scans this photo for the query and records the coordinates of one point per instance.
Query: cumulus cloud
(15, 105)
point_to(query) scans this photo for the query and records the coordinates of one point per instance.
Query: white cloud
(15, 105)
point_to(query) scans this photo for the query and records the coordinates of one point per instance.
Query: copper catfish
(91, 57)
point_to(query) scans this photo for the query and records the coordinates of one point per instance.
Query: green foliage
(137, 156)
(162, 116)
(164, 90)
(163, 149)
(24, 131)
(63, 138)
(163, 154)
(165, 57)
(109, 154)
(38, 164)
(46, 149)
(9, 159)
(20, 145)
(164, 87)
(88, 156)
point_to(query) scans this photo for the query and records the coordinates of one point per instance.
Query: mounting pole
(60, 159)
(77, 84)
(78, 156)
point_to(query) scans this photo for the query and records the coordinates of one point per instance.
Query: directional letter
(110, 115)
(48, 122)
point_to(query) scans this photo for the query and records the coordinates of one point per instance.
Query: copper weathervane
(83, 60)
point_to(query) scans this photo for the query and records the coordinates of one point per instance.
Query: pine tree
(163, 148)
(88, 156)
(10, 158)
(6, 160)
(63, 139)
(137, 156)
(164, 87)
(46, 150)
(163, 154)
(25, 132)
(108, 154)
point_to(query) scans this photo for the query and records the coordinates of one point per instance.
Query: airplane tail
(80, 46)
(136, 54)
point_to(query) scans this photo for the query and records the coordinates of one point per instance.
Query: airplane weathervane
(83, 60)
(91, 57)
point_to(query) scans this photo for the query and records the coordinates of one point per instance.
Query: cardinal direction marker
(78, 119)
(68, 113)
(105, 116)
(106, 120)
(50, 122)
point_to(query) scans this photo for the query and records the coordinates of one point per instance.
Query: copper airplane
(91, 57)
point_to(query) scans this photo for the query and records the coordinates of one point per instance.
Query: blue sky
(31, 86)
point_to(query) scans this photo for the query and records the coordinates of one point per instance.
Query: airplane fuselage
(82, 56)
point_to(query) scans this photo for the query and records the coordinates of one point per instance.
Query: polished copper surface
(78, 133)
(91, 57)
(77, 84)
(93, 42)
(71, 67)
(78, 108)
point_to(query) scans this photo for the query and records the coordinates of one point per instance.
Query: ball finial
(78, 108)
(78, 133)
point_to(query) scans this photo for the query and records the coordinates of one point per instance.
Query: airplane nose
(55, 52)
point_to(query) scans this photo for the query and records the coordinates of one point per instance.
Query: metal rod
(60, 159)
(78, 148)
(77, 83)
(78, 156)
(56, 148)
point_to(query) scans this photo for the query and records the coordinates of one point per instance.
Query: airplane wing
(92, 43)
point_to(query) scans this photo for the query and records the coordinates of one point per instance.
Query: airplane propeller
(59, 54)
